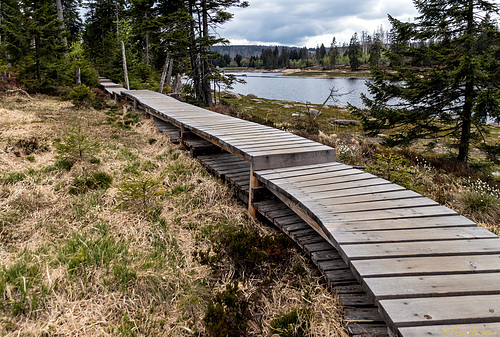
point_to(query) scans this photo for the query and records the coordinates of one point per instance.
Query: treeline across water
(360, 50)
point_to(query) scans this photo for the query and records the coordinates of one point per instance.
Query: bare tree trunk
(60, 16)
(169, 73)
(125, 66)
(207, 92)
(164, 73)
(78, 77)
(147, 48)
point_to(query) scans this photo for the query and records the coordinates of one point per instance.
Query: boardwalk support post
(254, 183)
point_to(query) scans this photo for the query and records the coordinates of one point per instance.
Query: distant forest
(362, 49)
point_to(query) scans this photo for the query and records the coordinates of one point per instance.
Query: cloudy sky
(310, 22)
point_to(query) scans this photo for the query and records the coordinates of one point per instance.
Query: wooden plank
(317, 247)
(325, 255)
(295, 226)
(354, 288)
(453, 220)
(279, 146)
(291, 172)
(427, 265)
(329, 189)
(434, 234)
(355, 300)
(288, 219)
(311, 147)
(381, 288)
(239, 141)
(278, 159)
(476, 329)
(441, 310)
(370, 330)
(307, 239)
(330, 220)
(332, 264)
(341, 174)
(354, 191)
(374, 205)
(263, 173)
(390, 195)
(424, 248)
(330, 171)
(363, 315)
(339, 277)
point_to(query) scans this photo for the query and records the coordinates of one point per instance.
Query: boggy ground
(107, 229)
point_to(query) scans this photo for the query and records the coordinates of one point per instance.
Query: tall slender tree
(333, 53)
(456, 94)
(354, 52)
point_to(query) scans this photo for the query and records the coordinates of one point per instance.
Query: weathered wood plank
(331, 219)
(476, 329)
(381, 288)
(284, 158)
(424, 248)
(374, 205)
(427, 265)
(436, 234)
(441, 310)
(453, 220)
(390, 195)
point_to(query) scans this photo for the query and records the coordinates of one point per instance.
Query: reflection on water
(300, 89)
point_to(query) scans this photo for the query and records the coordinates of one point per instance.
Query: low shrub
(480, 201)
(247, 249)
(93, 181)
(227, 314)
(295, 323)
(82, 96)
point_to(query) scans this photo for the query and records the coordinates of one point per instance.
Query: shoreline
(333, 73)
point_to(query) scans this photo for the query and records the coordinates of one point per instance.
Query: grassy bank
(108, 229)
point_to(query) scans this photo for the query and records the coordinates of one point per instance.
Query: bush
(246, 249)
(82, 96)
(85, 182)
(295, 323)
(227, 314)
(140, 190)
(481, 202)
(76, 145)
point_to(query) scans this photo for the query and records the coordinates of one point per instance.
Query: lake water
(300, 89)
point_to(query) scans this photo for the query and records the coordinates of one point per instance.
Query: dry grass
(81, 265)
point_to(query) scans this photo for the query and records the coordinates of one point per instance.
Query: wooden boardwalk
(429, 271)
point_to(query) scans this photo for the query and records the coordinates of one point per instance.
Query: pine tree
(333, 53)
(375, 53)
(456, 94)
(32, 37)
(354, 52)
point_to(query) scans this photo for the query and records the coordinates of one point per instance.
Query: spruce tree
(354, 52)
(452, 97)
(32, 38)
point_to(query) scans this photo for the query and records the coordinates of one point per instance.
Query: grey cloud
(290, 22)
